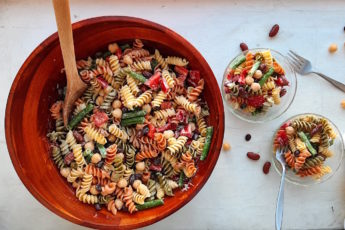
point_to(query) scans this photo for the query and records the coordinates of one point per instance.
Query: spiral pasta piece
(85, 183)
(160, 141)
(276, 95)
(141, 65)
(201, 125)
(312, 162)
(111, 207)
(119, 169)
(278, 69)
(133, 85)
(78, 155)
(292, 144)
(269, 85)
(315, 138)
(290, 159)
(95, 135)
(86, 198)
(143, 190)
(249, 62)
(164, 184)
(164, 114)
(75, 174)
(127, 97)
(189, 168)
(166, 75)
(195, 92)
(117, 132)
(309, 171)
(177, 145)
(300, 145)
(145, 154)
(268, 59)
(111, 153)
(190, 107)
(144, 98)
(300, 160)
(114, 64)
(160, 97)
(323, 171)
(176, 61)
(128, 199)
(106, 104)
(56, 110)
(97, 173)
(160, 60)
(57, 157)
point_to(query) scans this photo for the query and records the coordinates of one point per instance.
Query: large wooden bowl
(28, 120)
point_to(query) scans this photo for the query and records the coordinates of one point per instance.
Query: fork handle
(336, 83)
(280, 202)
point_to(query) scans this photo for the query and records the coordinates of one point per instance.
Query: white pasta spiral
(176, 61)
(160, 97)
(190, 107)
(166, 75)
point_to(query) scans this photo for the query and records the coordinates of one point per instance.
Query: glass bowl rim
(333, 170)
(293, 74)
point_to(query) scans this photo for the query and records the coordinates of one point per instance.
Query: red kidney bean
(243, 46)
(69, 158)
(253, 156)
(266, 168)
(78, 136)
(282, 92)
(274, 30)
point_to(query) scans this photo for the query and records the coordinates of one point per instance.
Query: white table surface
(238, 195)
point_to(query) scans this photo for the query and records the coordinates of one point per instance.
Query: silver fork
(280, 200)
(303, 67)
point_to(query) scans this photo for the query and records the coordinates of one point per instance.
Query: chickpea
(333, 48)
(89, 145)
(255, 87)
(93, 190)
(136, 184)
(257, 74)
(122, 183)
(117, 113)
(113, 47)
(96, 158)
(65, 172)
(249, 80)
(101, 93)
(140, 166)
(147, 108)
(226, 146)
(99, 100)
(111, 138)
(168, 133)
(343, 104)
(118, 204)
(116, 104)
(289, 130)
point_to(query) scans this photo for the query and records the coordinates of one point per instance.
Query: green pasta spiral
(57, 157)
(164, 184)
(312, 162)
(302, 125)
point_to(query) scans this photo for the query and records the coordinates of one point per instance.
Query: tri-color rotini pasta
(306, 139)
(137, 132)
(255, 82)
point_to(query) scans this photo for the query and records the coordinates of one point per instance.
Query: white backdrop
(238, 195)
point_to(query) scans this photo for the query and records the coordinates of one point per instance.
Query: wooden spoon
(75, 86)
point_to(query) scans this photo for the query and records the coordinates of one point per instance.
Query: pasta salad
(138, 131)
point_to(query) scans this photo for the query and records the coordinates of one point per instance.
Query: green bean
(137, 76)
(238, 61)
(154, 63)
(304, 138)
(140, 113)
(180, 181)
(125, 46)
(77, 118)
(254, 68)
(150, 204)
(266, 76)
(132, 121)
(102, 150)
(209, 133)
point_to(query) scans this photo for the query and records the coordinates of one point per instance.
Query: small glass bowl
(334, 162)
(276, 110)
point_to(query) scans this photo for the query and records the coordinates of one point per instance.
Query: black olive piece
(98, 187)
(156, 108)
(147, 74)
(124, 110)
(145, 130)
(243, 106)
(100, 164)
(98, 207)
(248, 137)
(296, 153)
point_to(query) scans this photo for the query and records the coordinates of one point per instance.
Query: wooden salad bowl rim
(12, 132)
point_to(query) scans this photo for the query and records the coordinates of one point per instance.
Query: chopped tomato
(169, 126)
(166, 105)
(181, 70)
(99, 118)
(118, 53)
(242, 79)
(256, 101)
(187, 131)
(103, 82)
(152, 131)
(153, 82)
(164, 85)
(230, 75)
(182, 116)
(194, 77)
(181, 79)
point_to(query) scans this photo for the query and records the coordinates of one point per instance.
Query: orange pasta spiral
(137, 44)
(111, 153)
(145, 154)
(195, 92)
(160, 141)
(187, 161)
(249, 61)
(96, 172)
(119, 192)
(86, 75)
(128, 199)
(310, 171)
(277, 68)
(111, 207)
(56, 109)
(301, 159)
(290, 159)
(82, 125)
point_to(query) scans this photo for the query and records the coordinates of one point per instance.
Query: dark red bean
(248, 137)
(282, 92)
(98, 187)
(253, 156)
(78, 137)
(266, 168)
(69, 158)
(98, 207)
(263, 68)
(243, 46)
(316, 130)
(274, 30)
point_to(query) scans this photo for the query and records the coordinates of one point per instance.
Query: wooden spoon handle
(63, 21)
